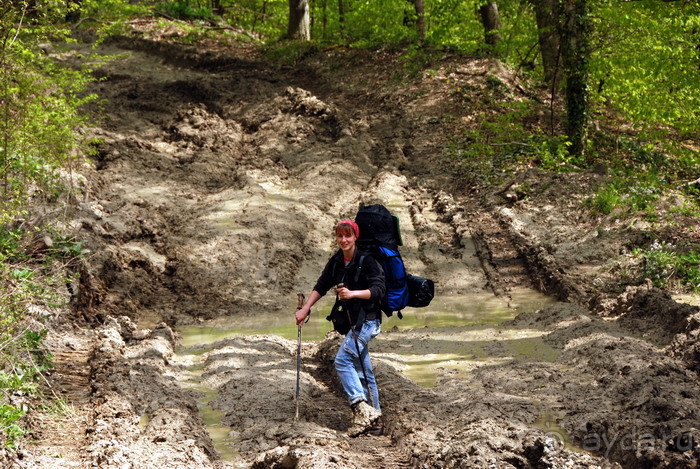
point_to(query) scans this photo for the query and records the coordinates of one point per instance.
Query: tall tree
(299, 26)
(419, 5)
(217, 7)
(341, 17)
(491, 21)
(416, 17)
(548, 38)
(575, 28)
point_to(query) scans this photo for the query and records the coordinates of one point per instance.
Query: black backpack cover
(378, 227)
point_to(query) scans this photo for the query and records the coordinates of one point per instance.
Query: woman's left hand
(345, 294)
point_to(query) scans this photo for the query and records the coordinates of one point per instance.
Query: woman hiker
(356, 313)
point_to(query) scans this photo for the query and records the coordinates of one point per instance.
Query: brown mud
(213, 194)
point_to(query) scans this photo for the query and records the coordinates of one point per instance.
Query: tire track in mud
(61, 439)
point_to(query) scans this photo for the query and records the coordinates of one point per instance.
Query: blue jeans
(348, 365)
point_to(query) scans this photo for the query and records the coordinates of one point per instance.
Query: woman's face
(346, 240)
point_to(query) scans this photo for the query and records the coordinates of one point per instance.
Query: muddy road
(217, 181)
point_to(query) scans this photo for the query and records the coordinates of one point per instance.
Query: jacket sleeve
(375, 279)
(326, 280)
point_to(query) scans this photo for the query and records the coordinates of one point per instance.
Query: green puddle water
(444, 311)
(549, 424)
(472, 347)
(477, 315)
(220, 434)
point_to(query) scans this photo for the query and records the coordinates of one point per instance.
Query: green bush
(41, 118)
(639, 193)
(27, 280)
(689, 270)
(9, 415)
(289, 52)
(605, 200)
(40, 113)
(182, 9)
(663, 264)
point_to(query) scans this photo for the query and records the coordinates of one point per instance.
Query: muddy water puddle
(458, 333)
(445, 311)
(454, 334)
(549, 424)
(457, 353)
(192, 361)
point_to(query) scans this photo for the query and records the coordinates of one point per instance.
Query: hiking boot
(377, 428)
(363, 416)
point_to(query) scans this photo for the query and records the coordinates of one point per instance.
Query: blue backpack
(381, 237)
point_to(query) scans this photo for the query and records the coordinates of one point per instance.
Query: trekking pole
(300, 303)
(357, 347)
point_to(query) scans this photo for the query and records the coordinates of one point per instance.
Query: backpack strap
(337, 258)
(356, 278)
(359, 268)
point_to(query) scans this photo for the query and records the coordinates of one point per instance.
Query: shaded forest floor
(217, 180)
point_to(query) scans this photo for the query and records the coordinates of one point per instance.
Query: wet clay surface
(217, 182)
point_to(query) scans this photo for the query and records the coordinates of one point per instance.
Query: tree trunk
(491, 21)
(341, 16)
(217, 8)
(575, 30)
(419, 5)
(324, 20)
(299, 20)
(548, 34)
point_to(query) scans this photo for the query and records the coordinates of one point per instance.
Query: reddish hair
(347, 227)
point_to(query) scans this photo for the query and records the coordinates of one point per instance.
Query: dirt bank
(217, 181)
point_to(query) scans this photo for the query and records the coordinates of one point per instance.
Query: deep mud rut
(218, 180)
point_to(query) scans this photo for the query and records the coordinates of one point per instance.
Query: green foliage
(638, 193)
(689, 270)
(646, 62)
(289, 52)
(605, 200)
(503, 142)
(9, 243)
(113, 10)
(32, 341)
(184, 10)
(21, 379)
(110, 17)
(9, 415)
(40, 118)
(28, 285)
(665, 263)
(370, 24)
(264, 19)
(553, 155)
(68, 247)
(416, 59)
(40, 103)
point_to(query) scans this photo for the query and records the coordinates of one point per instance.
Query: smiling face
(345, 237)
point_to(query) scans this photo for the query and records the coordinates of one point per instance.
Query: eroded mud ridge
(218, 180)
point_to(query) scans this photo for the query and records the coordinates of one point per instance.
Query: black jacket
(371, 277)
